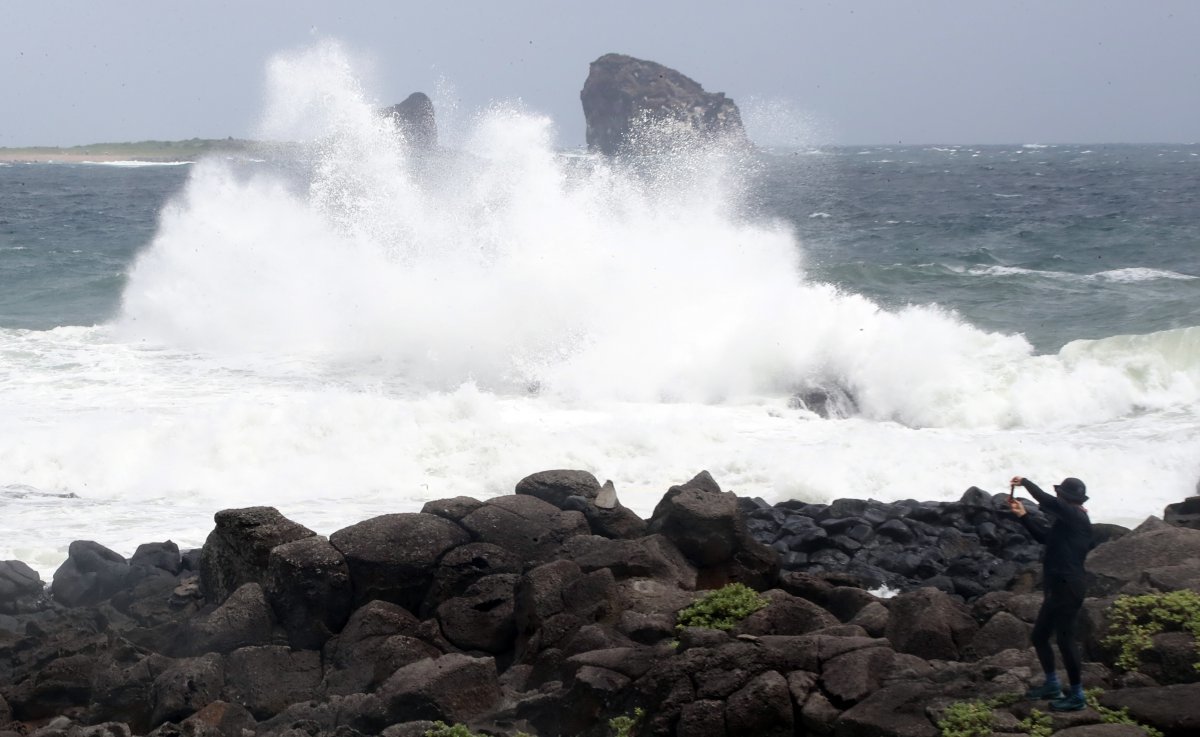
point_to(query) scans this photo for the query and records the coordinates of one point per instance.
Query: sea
(341, 328)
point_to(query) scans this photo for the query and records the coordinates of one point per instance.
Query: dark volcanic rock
(91, 574)
(532, 529)
(621, 93)
(309, 587)
(392, 557)
(1116, 563)
(929, 624)
(1185, 513)
(415, 120)
(707, 526)
(452, 688)
(237, 550)
(21, 588)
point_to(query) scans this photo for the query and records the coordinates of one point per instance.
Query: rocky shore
(555, 611)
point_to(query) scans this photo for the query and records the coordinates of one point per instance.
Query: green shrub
(623, 726)
(1037, 724)
(441, 729)
(1134, 620)
(722, 609)
(967, 719)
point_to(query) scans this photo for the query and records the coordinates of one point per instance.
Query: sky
(819, 73)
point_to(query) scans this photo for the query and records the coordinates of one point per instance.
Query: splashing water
(350, 328)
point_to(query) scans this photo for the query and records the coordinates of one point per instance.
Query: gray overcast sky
(875, 71)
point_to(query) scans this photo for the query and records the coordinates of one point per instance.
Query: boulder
(219, 719)
(415, 121)
(763, 707)
(530, 528)
(267, 679)
(242, 620)
(465, 565)
(164, 556)
(452, 688)
(556, 487)
(482, 617)
(702, 718)
(186, 686)
(90, 574)
(852, 676)
(652, 556)
(707, 526)
(1001, 632)
(785, 615)
(393, 557)
(1185, 513)
(622, 93)
(453, 509)
(379, 638)
(310, 591)
(894, 711)
(237, 550)
(21, 588)
(1121, 561)
(930, 624)
(1175, 710)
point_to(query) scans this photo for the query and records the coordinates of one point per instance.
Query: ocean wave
(1126, 275)
(136, 164)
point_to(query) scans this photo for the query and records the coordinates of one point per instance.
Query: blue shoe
(1069, 702)
(1045, 691)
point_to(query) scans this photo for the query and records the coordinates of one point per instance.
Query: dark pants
(1058, 615)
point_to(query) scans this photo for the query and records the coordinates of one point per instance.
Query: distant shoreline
(144, 151)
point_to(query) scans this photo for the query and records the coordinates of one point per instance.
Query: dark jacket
(1067, 541)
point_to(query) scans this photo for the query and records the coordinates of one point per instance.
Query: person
(1067, 543)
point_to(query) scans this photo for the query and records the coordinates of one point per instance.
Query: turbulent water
(341, 329)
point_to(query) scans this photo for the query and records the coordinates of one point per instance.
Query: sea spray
(349, 330)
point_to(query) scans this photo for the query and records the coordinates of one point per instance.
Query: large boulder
(707, 526)
(482, 618)
(185, 687)
(1119, 562)
(91, 574)
(452, 688)
(1185, 513)
(415, 121)
(242, 620)
(21, 588)
(1175, 710)
(761, 707)
(267, 679)
(379, 638)
(309, 587)
(532, 529)
(239, 547)
(930, 624)
(393, 557)
(622, 92)
(895, 711)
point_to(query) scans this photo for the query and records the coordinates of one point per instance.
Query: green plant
(1134, 620)
(967, 719)
(721, 609)
(623, 726)
(441, 729)
(1037, 724)
(1116, 716)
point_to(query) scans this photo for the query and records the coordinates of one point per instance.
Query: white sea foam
(373, 335)
(1126, 275)
(136, 164)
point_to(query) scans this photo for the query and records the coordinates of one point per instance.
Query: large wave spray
(519, 269)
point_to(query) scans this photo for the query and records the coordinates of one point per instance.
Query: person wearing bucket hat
(1067, 543)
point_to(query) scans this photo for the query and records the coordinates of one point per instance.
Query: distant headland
(153, 151)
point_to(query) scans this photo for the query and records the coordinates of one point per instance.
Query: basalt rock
(238, 549)
(623, 94)
(574, 628)
(414, 119)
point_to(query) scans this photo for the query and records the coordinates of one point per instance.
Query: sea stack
(415, 120)
(621, 90)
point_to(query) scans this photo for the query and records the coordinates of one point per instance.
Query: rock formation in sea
(552, 610)
(415, 120)
(622, 93)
